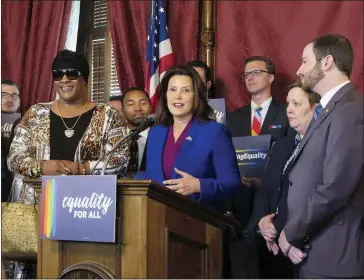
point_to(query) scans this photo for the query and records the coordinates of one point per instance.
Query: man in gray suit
(325, 227)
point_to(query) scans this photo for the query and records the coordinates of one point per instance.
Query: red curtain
(279, 30)
(32, 33)
(183, 28)
(276, 29)
(128, 25)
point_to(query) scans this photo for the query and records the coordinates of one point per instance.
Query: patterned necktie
(297, 141)
(318, 111)
(256, 121)
(134, 154)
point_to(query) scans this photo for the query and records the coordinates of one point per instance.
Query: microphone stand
(122, 141)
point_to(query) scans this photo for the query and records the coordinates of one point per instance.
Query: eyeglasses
(253, 73)
(6, 95)
(72, 74)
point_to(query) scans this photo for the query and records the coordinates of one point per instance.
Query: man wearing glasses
(10, 103)
(262, 116)
(10, 100)
(258, 75)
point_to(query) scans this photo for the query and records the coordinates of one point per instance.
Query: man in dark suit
(325, 199)
(136, 107)
(263, 115)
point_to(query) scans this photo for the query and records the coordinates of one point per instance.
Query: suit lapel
(269, 118)
(325, 112)
(158, 151)
(186, 146)
(246, 120)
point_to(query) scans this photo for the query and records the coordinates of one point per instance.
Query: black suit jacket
(272, 196)
(239, 123)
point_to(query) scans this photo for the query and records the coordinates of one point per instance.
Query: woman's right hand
(55, 167)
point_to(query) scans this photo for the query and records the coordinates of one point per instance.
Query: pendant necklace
(69, 132)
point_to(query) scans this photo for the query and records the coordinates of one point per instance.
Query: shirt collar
(264, 105)
(327, 97)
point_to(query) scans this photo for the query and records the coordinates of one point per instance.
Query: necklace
(69, 132)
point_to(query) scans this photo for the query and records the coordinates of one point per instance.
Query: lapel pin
(326, 110)
(189, 138)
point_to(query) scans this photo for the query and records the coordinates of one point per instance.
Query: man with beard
(10, 102)
(136, 107)
(325, 200)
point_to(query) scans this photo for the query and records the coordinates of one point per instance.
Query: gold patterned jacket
(31, 142)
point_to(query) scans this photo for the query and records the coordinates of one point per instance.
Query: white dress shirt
(263, 112)
(327, 97)
(141, 144)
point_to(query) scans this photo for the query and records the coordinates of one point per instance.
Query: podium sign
(78, 208)
(252, 153)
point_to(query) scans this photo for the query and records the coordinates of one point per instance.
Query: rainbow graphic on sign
(48, 209)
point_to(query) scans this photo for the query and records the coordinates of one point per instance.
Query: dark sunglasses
(71, 74)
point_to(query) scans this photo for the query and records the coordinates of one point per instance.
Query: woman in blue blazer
(188, 151)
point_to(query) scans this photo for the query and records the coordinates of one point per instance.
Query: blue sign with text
(78, 208)
(252, 153)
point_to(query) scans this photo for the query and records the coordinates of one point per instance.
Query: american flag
(159, 50)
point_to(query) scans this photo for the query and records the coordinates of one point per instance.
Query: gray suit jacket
(326, 193)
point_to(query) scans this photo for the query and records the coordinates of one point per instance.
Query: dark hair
(268, 64)
(67, 59)
(10, 83)
(203, 65)
(339, 47)
(133, 89)
(313, 97)
(116, 98)
(202, 110)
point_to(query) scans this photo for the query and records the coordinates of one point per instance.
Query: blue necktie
(318, 111)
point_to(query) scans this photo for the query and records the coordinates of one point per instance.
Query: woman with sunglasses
(70, 135)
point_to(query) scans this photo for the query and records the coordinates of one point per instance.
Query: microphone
(145, 124)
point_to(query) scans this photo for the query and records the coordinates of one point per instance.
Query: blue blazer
(207, 153)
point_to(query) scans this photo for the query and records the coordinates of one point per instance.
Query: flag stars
(155, 31)
(154, 58)
(155, 44)
(156, 18)
(161, 10)
(148, 38)
(167, 28)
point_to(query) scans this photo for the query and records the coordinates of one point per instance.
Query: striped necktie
(297, 141)
(256, 121)
(318, 111)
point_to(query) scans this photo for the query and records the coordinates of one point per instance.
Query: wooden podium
(159, 234)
